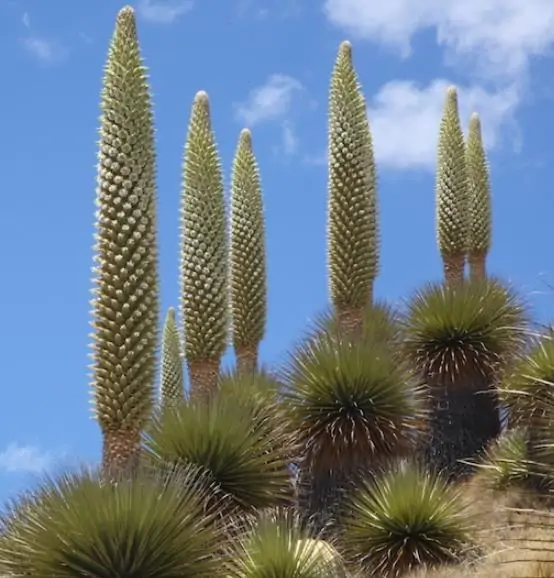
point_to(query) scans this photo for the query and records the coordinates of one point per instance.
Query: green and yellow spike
(352, 234)
(247, 260)
(203, 270)
(452, 192)
(126, 302)
(480, 211)
(171, 383)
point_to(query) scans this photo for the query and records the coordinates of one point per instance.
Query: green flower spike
(452, 192)
(126, 303)
(247, 261)
(352, 206)
(479, 195)
(172, 385)
(204, 295)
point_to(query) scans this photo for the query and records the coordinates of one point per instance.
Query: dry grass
(514, 534)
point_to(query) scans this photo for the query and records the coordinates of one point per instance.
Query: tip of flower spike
(171, 312)
(345, 49)
(126, 12)
(452, 92)
(475, 120)
(201, 97)
(245, 137)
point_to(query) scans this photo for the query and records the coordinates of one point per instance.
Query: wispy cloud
(43, 49)
(24, 459)
(290, 139)
(26, 20)
(271, 101)
(163, 11)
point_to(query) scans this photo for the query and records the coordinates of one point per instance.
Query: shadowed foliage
(352, 404)
(241, 445)
(402, 519)
(155, 525)
(459, 338)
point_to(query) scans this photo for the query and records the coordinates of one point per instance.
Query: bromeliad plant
(352, 230)
(126, 303)
(403, 519)
(459, 338)
(353, 405)
(157, 524)
(172, 390)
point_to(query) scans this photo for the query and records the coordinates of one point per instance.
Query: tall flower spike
(480, 212)
(204, 294)
(452, 192)
(126, 304)
(248, 283)
(352, 243)
(171, 383)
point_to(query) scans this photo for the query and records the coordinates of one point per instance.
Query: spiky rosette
(404, 519)
(247, 259)
(381, 324)
(452, 191)
(204, 295)
(278, 546)
(505, 464)
(479, 198)
(241, 446)
(469, 329)
(349, 402)
(352, 243)
(126, 304)
(171, 383)
(78, 526)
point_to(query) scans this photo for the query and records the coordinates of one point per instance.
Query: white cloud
(290, 139)
(501, 35)
(405, 117)
(44, 50)
(163, 11)
(24, 459)
(26, 20)
(271, 101)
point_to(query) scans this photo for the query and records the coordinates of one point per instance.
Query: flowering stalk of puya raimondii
(126, 303)
(247, 260)
(352, 229)
(204, 253)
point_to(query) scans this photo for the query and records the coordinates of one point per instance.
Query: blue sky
(266, 65)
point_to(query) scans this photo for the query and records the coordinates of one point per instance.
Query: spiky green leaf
(126, 303)
(203, 267)
(404, 519)
(474, 327)
(241, 445)
(352, 243)
(451, 181)
(350, 401)
(479, 194)
(172, 383)
(247, 259)
(76, 525)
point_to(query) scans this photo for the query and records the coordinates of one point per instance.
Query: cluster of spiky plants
(452, 191)
(247, 257)
(126, 303)
(352, 228)
(204, 270)
(405, 518)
